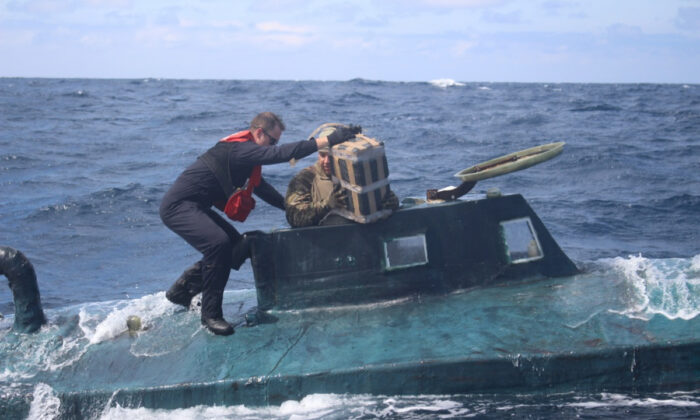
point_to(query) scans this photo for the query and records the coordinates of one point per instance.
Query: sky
(580, 41)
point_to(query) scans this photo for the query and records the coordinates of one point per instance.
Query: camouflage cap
(325, 133)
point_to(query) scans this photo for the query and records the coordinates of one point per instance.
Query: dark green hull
(464, 240)
(462, 306)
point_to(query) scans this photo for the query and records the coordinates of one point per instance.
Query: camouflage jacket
(306, 203)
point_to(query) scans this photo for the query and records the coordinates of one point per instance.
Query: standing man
(229, 170)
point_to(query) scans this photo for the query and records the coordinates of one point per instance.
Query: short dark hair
(267, 121)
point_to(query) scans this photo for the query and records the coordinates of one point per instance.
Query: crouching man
(226, 176)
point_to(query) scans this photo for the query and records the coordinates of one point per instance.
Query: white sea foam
(71, 332)
(445, 83)
(619, 400)
(45, 403)
(668, 287)
(98, 328)
(695, 267)
(48, 349)
(423, 405)
(314, 406)
(363, 406)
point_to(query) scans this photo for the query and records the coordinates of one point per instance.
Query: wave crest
(445, 83)
(668, 287)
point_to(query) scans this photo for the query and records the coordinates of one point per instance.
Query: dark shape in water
(29, 316)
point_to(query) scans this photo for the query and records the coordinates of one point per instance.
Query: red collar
(245, 135)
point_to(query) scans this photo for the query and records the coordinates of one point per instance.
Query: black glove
(343, 133)
(338, 198)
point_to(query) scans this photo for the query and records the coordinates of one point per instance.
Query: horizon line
(354, 79)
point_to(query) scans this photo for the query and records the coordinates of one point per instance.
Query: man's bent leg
(216, 269)
(241, 243)
(187, 286)
(197, 226)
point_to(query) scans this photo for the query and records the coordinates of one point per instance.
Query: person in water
(222, 172)
(312, 195)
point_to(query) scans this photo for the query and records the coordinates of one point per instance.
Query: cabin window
(521, 241)
(406, 251)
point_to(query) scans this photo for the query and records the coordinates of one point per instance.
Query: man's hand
(342, 134)
(338, 198)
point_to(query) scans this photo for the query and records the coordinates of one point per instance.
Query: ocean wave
(596, 108)
(68, 335)
(315, 406)
(236, 88)
(197, 116)
(530, 120)
(97, 327)
(54, 346)
(365, 82)
(15, 161)
(45, 404)
(76, 94)
(678, 205)
(16, 158)
(445, 83)
(667, 287)
(357, 97)
(110, 200)
(621, 400)
(456, 406)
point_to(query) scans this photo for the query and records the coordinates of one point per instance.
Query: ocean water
(84, 164)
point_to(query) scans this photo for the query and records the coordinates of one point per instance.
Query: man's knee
(219, 248)
(163, 212)
(167, 210)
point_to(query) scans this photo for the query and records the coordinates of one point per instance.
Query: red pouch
(241, 202)
(239, 205)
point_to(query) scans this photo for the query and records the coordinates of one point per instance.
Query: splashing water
(45, 404)
(98, 328)
(333, 406)
(445, 83)
(314, 406)
(668, 287)
(67, 336)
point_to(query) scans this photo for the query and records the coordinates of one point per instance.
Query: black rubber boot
(187, 286)
(218, 326)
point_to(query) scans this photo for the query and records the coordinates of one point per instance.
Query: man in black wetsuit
(219, 172)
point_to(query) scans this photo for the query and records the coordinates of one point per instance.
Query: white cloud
(461, 47)
(42, 6)
(16, 37)
(279, 27)
(219, 24)
(354, 43)
(158, 35)
(277, 34)
(462, 3)
(109, 3)
(290, 40)
(96, 40)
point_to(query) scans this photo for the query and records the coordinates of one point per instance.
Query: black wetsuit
(186, 210)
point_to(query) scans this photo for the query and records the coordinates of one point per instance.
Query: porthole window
(521, 241)
(406, 251)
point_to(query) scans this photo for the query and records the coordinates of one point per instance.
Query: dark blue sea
(84, 164)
